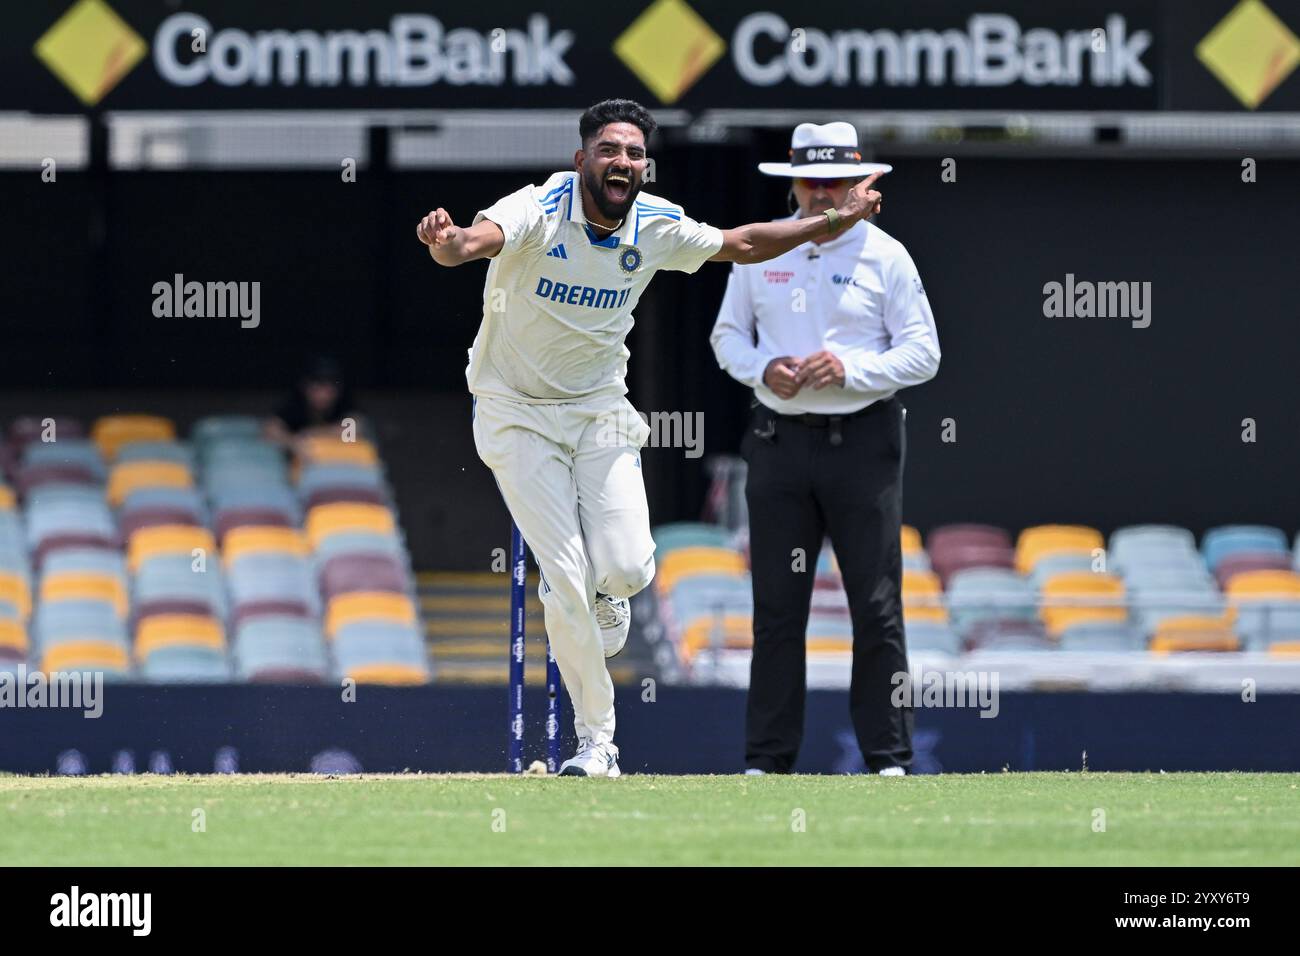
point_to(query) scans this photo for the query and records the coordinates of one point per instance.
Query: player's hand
(862, 202)
(819, 370)
(436, 229)
(781, 376)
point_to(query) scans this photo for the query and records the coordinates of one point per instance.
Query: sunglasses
(806, 183)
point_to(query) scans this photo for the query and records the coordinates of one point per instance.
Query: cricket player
(569, 261)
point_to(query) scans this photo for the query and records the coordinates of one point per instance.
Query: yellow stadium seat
(85, 655)
(256, 539)
(1037, 542)
(730, 630)
(131, 476)
(692, 561)
(13, 635)
(393, 675)
(368, 606)
(325, 520)
(15, 590)
(921, 612)
(168, 539)
(177, 630)
(84, 586)
(113, 431)
(1262, 585)
(1194, 632)
(911, 540)
(830, 644)
(335, 451)
(1073, 597)
(7, 500)
(920, 583)
(1285, 648)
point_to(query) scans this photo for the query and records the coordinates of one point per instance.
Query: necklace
(613, 228)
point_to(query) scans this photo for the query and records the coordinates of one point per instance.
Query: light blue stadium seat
(690, 534)
(277, 643)
(78, 620)
(364, 643)
(1102, 636)
(980, 594)
(272, 577)
(172, 577)
(1234, 539)
(215, 428)
(184, 499)
(932, 637)
(169, 451)
(67, 451)
(277, 496)
(186, 665)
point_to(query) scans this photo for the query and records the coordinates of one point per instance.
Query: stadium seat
(690, 534)
(1243, 561)
(113, 431)
(169, 540)
(1267, 605)
(326, 520)
(13, 637)
(185, 665)
(363, 572)
(362, 648)
(1221, 542)
(129, 476)
(1073, 597)
(990, 594)
(83, 586)
(172, 452)
(108, 657)
(1192, 632)
(77, 453)
(280, 649)
(320, 450)
(1101, 636)
(16, 592)
(1042, 540)
(64, 621)
(966, 535)
(261, 576)
(690, 561)
(368, 606)
(932, 637)
(215, 428)
(953, 557)
(177, 630)
(245, 541)
(140, 518)
(910, 540)
(714, 630)
(174, 577)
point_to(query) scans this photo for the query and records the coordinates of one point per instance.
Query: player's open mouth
(618, 186)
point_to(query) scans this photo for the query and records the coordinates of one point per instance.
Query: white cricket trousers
(570, 474)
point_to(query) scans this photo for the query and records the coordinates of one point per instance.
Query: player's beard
(609, 208)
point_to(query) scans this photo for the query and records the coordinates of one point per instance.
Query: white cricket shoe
(592, 760)
(614, 616)
(893, 772)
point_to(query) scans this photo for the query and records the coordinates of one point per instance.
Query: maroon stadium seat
(1251, 561)
(152, 516)
(251, 609)
(285, 675)
(171, 606)
(952, 558)
(37, 475)
(1007, 634)
(229, 518)
(362, 572)
(336, 493)
(55, 542)
(954, 535)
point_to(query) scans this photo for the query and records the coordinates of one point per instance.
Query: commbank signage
(1012, 54)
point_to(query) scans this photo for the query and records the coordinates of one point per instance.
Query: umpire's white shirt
(857, 296)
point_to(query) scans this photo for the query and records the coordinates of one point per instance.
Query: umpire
(826, 335)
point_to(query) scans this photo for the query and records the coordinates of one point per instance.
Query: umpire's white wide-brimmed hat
(824, 152)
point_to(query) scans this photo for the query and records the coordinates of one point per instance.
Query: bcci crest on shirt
(629, 259)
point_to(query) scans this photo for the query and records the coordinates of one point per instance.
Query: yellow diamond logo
(90, 49)
(1251, 52)
(669, 47)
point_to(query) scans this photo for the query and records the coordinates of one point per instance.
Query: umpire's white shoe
(893, 772)
(614, 615)
(592, 760)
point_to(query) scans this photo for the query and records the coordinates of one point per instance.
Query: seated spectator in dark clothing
(321, 401)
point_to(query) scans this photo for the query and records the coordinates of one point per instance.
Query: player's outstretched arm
(451, 245)
(760, 241)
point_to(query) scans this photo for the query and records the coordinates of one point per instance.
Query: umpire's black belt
(822, 421)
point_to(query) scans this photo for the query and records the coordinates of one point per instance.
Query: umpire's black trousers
(841, 478)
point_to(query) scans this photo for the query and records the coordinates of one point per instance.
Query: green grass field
(1034, 818)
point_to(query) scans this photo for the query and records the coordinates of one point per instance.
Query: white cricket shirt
(857, 296)
(558, 300)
